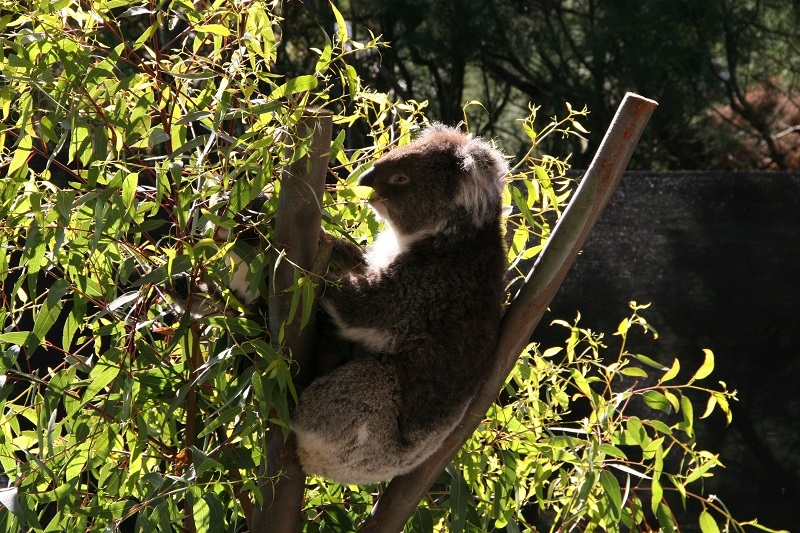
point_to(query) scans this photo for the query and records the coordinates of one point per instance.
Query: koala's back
(455, 288)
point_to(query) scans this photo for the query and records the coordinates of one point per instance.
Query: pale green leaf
(611, 492)
(656, 400)
(459, 496)
(672, 372)
(688, 416)
(295, 85)
(581, 383)
(49, 312)
(707, 367)
(216, 29)
(712, 402)
(15, 337)
(613, 451)
(650, 362)
(20, 157)
(102, 374)
(656, 494)
(707, 523)
(634, 372)
(129, 191)
(341, 25)
(664, 516)
(673, 400)
(578, 126)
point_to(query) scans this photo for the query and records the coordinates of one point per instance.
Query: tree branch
(297, 226)
(404, 493)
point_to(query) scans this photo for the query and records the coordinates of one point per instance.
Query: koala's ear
(482, 161)
(485, 169)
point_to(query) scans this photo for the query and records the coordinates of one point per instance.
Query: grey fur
(423, 305)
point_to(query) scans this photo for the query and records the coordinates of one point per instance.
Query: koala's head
(441, 177)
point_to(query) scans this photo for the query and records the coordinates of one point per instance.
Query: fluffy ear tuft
(486, 168)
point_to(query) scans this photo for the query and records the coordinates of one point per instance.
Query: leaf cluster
(127, 132)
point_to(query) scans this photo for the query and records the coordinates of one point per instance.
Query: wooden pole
(402, 496)
(296, 234)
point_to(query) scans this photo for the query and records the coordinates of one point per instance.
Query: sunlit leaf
(49, 312)
(707, 367)
(295, 85)
(688, 415)
(712, 402)
(613, 451)
(673, 400)
(656, 400)
(459, 496)
(707, 523)
(341, 25)
(672, 372)
(21, 154)
(216, 29)
(15, 337)
(577, 125)
(634, 372)
(611, 492)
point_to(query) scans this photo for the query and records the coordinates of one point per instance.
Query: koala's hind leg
(347, 424)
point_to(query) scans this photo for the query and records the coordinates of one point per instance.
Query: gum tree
(128, 129)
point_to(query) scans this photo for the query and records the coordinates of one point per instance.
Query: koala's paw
(345, 256)
(179, 286)
(199, 299)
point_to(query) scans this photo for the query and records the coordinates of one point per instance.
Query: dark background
(716, 255)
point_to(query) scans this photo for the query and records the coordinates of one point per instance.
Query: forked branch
(402, 496)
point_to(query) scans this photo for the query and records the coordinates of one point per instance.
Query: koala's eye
(399, 179)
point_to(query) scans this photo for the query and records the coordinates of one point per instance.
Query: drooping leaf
(611, 493)
(48, 312)
(672, 372)
(459, 496)
(707, 367)
(707, 523)
(656, 400)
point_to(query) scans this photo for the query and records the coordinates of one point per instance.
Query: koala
(423, 305)
(201, 298)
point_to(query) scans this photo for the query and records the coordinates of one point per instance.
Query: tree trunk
(296, 235)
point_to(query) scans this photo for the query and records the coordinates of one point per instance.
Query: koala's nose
(367, 178)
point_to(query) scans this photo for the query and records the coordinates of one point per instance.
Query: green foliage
(607, 468)
(123, 125)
